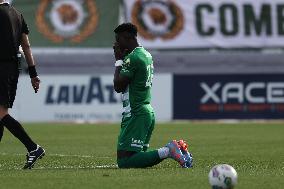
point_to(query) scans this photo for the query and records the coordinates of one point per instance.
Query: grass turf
(84, 156)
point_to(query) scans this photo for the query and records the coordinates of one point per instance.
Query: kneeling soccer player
(133, 78)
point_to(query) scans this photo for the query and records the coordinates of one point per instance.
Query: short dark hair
(126, 27)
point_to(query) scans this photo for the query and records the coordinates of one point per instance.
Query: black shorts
(9, 75)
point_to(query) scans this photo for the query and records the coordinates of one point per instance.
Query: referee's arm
(30, 61)
(27, 50)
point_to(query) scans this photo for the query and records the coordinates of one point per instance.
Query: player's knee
(122, 163)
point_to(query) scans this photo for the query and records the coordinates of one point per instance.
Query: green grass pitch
(84, 156)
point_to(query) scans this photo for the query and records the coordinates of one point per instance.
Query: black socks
(18, 131)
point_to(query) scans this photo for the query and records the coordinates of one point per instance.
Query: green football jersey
(138, 67)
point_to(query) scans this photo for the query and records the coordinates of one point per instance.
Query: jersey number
(150, 75)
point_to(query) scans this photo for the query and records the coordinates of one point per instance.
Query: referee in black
(13, 33)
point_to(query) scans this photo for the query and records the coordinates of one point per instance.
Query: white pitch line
(78, 167)
(66, 167)
(60, 155)
(63, 167)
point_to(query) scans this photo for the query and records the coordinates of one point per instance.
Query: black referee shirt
(12, 26)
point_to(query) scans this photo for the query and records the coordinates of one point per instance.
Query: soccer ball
(223, 176)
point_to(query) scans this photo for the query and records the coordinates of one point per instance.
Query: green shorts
(136, 132)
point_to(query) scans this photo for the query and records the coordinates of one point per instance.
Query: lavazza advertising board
(83, 98)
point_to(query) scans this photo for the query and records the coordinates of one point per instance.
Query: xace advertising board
(224, 96)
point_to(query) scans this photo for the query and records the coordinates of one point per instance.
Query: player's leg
(131, 140)
(136, 132)
(174, 149)
(140, 160)
(151, 158)
(149, 133)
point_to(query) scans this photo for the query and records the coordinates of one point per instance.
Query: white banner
(81, 98)
(207, 23)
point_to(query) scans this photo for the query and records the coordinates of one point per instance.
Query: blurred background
(220, 59)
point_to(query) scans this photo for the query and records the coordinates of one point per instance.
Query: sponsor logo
(71, 20)
(249, 19)
(137, 143)
(89, 93)
(271, 92)
(157, 19)
(237, 96)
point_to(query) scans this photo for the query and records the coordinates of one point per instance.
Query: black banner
(224, 96)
